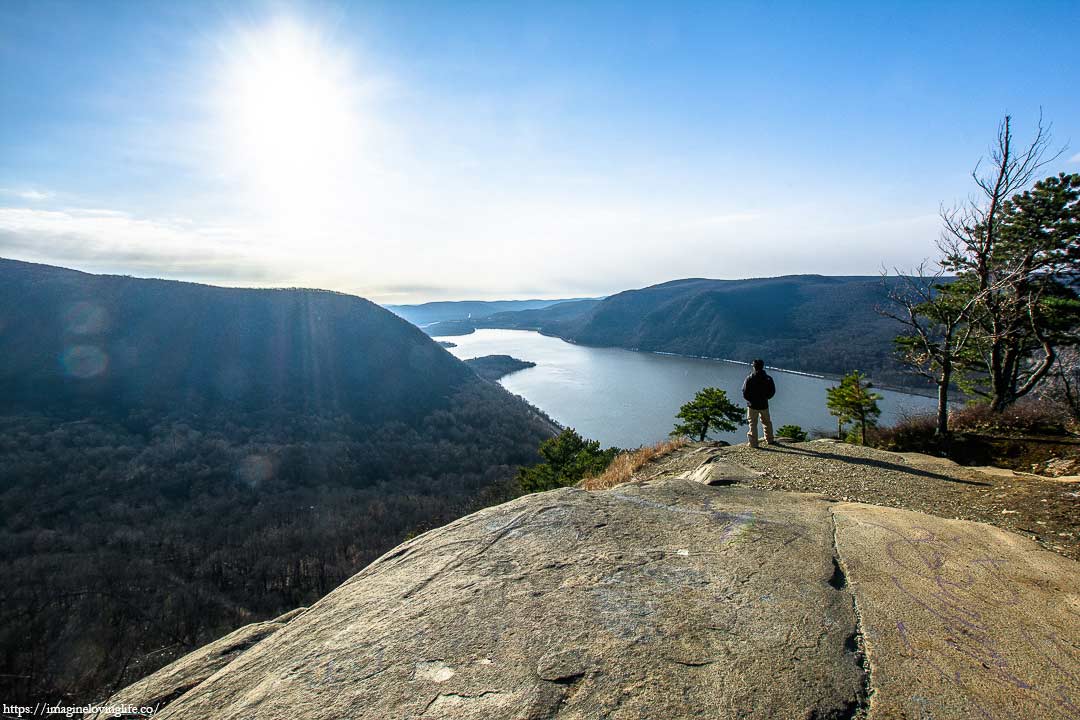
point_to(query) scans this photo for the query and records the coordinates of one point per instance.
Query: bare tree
(1064, 383)
(937, 329)
(1014, 351)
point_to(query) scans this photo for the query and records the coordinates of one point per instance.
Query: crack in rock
(441, 703)
(855, 643)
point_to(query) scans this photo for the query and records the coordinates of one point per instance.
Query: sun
(289, 107)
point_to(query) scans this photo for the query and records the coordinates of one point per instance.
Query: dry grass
(1025, 416)
(623, 467)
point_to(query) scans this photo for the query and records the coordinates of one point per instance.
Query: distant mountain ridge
(809, 323)
(451, 310)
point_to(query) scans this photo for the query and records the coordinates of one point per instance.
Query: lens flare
(84, 361)
(255, 470)
(85, 318)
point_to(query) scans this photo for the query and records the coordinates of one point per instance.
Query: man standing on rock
(757, 390)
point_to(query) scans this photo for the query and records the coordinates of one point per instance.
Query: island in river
(493, 367)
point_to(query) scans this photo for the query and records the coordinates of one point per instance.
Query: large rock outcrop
(673, 599)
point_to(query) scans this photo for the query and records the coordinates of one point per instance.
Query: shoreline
(902, 389)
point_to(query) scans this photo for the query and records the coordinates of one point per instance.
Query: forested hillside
(809, 323)
(179, 459)
(446, 311)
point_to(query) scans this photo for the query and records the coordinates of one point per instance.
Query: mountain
(433, 312)
(73, 338)
(549, 318)
(554, 316)
(179, 459)
(809, 323)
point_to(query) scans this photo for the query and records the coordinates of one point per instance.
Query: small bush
(911, 432)
(918, 432)
(623, 467)
(568, 458)
(792, 432)
(1025, 416)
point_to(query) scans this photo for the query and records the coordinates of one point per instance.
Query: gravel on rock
(1044, 509)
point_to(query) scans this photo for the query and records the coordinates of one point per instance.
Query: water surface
(626, 398)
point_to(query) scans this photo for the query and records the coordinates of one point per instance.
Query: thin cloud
(725, 220)
(27, 194)
(114, 242)
(1075, 158)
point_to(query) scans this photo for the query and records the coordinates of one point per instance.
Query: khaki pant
(752, 416)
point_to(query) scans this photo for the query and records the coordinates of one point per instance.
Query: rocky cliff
(666, 598)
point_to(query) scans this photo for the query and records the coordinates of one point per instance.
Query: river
(627, 398)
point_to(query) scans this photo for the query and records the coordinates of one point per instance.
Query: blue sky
(409, 151)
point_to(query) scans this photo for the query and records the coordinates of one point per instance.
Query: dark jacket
(757, 388)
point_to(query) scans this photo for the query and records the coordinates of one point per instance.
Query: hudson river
(626, 398)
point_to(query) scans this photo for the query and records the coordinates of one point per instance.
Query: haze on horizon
(421, 151)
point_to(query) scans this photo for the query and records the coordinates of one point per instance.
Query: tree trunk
(943, 399)
(1001, 379)
(996, 371)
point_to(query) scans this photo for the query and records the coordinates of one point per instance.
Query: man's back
(757, 389)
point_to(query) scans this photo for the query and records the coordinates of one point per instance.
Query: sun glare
(289, 105)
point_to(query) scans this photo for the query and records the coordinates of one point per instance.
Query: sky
(414, 151)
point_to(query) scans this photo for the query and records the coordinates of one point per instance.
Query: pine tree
(710, 410)
(1027, 308)
(852, 401)
(568, 458)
